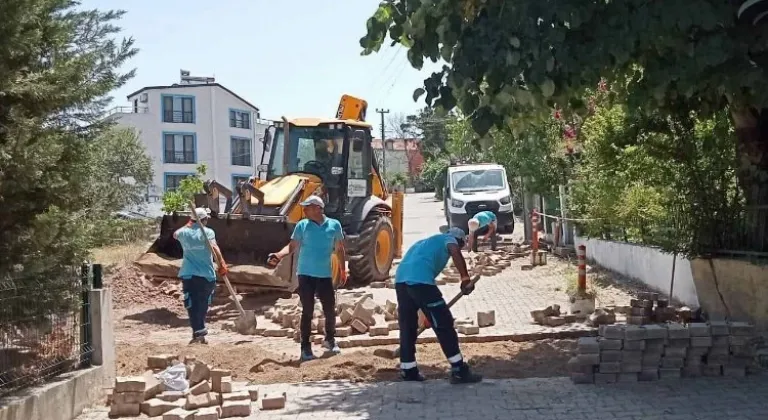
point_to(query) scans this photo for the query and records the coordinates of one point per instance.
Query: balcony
(126, 110)
(172, 156)
(240, 123)
(187, 117)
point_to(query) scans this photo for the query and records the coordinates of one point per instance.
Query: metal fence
(44, 325)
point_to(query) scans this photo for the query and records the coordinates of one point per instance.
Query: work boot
(462, 375)
(307, 355)
(198, 340)
(411, 375)
(331, 346)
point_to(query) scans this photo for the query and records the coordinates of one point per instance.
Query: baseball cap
(457, 233)
(313, 200)
(202, 213)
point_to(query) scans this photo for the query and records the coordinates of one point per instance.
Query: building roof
(192, 85)
(314, 122)
(397, 144)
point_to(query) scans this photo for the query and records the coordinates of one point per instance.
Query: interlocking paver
(550, 398)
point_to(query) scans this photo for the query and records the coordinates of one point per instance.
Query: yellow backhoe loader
(332, 158)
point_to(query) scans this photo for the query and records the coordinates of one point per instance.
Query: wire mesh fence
(44, 325)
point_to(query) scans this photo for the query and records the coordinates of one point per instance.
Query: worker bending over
(197, 273)
(482, 223)
(317, 237)
(416, 289)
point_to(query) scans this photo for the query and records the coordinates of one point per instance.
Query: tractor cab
(335, 156)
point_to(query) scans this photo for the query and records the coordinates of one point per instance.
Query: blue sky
(290, 57)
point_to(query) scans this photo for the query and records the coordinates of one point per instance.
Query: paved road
(521, 399)
(423, 216)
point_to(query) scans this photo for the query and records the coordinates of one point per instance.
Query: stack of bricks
(356, 313)
(649, 308)
(630, 353)
(211, 395)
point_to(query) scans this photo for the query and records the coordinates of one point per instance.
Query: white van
(470, 189)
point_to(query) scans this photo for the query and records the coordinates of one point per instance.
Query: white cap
(473, 224)
(457, 233)
(313, 200)
(202, 213)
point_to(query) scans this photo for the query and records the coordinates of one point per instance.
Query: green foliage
(179, 199)
(58, 64)
(662, 181)
(513, 62)
(398, 179)
(524, 57)
(119, 172)
(430, 126)
(433, 173)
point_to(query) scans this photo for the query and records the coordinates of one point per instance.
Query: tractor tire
(372, 255)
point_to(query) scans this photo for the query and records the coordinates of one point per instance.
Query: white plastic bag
(174, 378)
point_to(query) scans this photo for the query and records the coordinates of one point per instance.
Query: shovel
(245, 323)
(425, 324)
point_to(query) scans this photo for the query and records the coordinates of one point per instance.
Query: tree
(513, 62)
(58, 64)
(120, 171)
(179, 199)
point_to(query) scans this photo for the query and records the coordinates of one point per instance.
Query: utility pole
(383, 143)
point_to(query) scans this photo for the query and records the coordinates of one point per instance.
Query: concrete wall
(734, 289)
(645, 264)
(65, 397)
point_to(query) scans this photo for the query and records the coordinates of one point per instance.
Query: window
(241, 151)
(238, 178)
(179, 148)
(390, 145)
(172, 180)
(479, 180)
(178, 109)
(239, 119)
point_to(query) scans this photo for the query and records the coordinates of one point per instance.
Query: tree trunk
(751, 128)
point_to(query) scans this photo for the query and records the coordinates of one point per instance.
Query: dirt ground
(545, 358)
(151, 320)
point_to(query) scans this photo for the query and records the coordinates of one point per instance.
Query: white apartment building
(195, 121)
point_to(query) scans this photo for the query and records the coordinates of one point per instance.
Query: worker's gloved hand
(273, 260)
(223, 269)
(467, 287)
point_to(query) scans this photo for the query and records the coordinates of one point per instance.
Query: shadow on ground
(376, 394)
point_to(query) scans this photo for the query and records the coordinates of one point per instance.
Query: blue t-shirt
(485, 218)
(318, 242)
(425, 260)
(198, 260)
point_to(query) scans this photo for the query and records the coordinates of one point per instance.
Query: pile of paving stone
(651, 352)
(356, 313)
(211, 394)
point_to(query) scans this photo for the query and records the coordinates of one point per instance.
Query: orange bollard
(581, 255)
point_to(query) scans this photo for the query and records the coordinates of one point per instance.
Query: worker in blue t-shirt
(482, 223)
(197, 273)
(317, 238)
(416, 289)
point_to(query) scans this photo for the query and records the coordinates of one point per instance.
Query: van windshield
(480, 180)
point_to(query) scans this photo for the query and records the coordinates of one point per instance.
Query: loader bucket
(244, 243)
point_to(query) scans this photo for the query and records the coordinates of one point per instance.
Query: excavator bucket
(245, 244)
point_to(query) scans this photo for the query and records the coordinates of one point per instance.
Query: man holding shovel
(316, 238)
(416, 290)
(197, 273)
